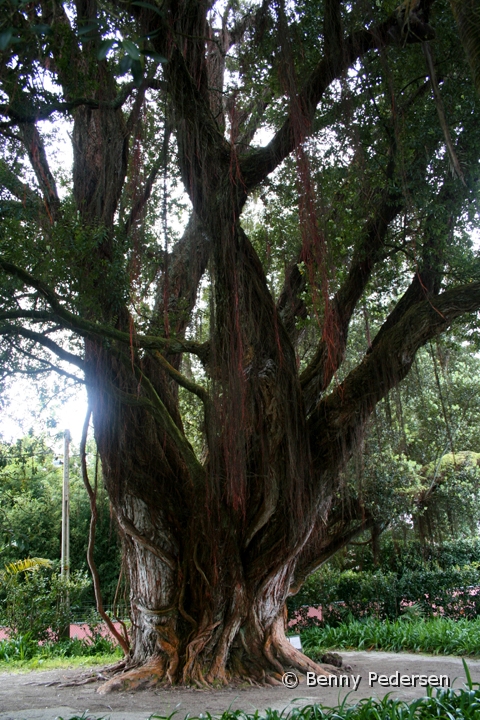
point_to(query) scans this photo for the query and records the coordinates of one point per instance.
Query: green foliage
(439, 636)
(399, 555)
(418, 471)
(385, 595)
(31, 510)
(467, 15)
(35, 600)
(25, 647)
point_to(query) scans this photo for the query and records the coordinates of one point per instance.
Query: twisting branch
(38, 160)
(130, 530)
(92, 496)
(337, 424)
(91, 329)
(258, 164)
(8, 329)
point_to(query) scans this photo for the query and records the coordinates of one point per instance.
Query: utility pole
(65, 552)
(65, 555)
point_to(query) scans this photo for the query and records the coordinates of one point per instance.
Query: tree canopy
(269, 212)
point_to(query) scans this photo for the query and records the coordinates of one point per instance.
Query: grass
(438, 636)
(22, 653)
(58, 663)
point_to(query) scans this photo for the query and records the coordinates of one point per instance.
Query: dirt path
(29, 696)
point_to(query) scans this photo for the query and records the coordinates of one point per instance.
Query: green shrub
(21, 647)
(439, 636)
(34, 604)
(24, 647)
(446, 592)
(399, 556)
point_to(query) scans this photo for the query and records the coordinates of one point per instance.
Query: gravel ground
(40, 695)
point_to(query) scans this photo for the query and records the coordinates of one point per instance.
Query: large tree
(374, 141)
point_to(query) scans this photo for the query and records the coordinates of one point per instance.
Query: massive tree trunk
(213, 548)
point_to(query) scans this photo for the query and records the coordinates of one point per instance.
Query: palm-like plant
(26, 565)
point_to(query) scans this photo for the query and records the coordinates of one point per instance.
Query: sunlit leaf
(155, 56)
(105, 48)
(131, 49)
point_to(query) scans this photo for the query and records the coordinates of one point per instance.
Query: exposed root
(149, 675)
(85, 681)
(263, 661)
(218, 670)
(191, 670)
(111, 669)
(293, 657)
(271, 680)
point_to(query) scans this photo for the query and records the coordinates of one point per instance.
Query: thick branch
(87, 329)
(258, 164)
(183, 381)
(45, 341)
(140, 203)
(151, 401)
(38, 160)
(332, 29)
(339, 420)
(331, 350)
(320, 548)
(177, 290)
(35, 315)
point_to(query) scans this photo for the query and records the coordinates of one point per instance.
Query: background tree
(31, 512)
(365, 127)
(417, 473)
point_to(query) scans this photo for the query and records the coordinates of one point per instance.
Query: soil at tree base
(31, 696)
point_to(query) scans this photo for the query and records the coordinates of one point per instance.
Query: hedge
(452, 592)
